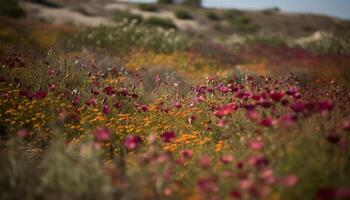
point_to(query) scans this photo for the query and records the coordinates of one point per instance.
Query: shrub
(148, 7)
(212, 16)
(336, 43)
(10, 8)
(183, 14)
(166, 1)
(160, 22)
(121, 15)
(192, 3)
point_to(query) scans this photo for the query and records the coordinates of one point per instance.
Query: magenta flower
(123, 91)
(292, 91)
(220, 123)
(131, 142)
(225, 110)
(168, 136)
(276, 96)
(298, 106)
(187, 153)
(268, 122)
(143, 108)
(40, 94)
(50, 72)
(76, 100)
(101, 134)
(91, 102)
(109, 90)
(208, 184)
(106, 109)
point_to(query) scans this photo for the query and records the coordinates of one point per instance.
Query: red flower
(168, 136)
(131, 142)
(101, 134)
(225, 110)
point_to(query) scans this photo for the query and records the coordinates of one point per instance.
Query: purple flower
(109, 90)
(298, 106)
(106, 109)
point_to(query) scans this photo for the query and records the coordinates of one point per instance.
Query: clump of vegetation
(269, 11)
(160, 22)
(192, 3)
(10, 8)
(124, 36)
(240, 22)
(166, 2)
(148, 7)
(125, 15)
(212, 16)
(183, 14)
(264, 40)
(335, 43)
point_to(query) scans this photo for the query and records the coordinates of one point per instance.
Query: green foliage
(212, 16)
(125, 36)
(183, 14)
(125, 15)
(10, 8)
(160, 22)
(192, 3)
(148, 7)
(74, 172)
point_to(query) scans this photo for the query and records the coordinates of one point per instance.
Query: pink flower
(208, 184)
(168, 136)
(220, 123)
(131, 142)
(176, 104)
(287, 120)
(252, 115)
(225, 159)
(22, 133)
(256, 145)
(204, 161)
(290, 180)
(225, 110)
(101, 134)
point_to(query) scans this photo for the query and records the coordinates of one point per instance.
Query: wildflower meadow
(136, 112)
